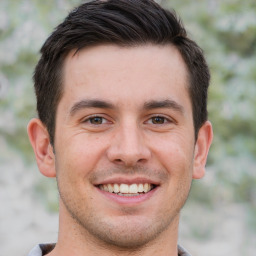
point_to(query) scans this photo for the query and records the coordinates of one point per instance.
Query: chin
(125, 232)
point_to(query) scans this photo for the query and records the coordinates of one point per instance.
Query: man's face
(124, 142)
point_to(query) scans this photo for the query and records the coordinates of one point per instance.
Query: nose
(128, 147)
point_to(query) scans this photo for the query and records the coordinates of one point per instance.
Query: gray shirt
(43, 249)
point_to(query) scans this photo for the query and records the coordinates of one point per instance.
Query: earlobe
(39, 139)
(203, 143)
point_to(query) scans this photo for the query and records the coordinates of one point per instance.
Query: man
(121, 97)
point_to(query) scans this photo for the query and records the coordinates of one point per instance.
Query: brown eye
(96, 120)
(158, 120)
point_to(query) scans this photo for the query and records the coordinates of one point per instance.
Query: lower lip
(126, 200)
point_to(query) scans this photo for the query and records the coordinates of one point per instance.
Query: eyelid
(87, 119)
(168, 120)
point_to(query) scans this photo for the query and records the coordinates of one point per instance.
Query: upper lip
(127, 180)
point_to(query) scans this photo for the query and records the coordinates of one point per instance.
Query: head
(123, 23)
(121, 95)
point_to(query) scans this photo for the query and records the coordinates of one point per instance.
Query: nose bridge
(131, 139)
(128, 146)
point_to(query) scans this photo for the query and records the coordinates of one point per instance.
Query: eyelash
(90, 118)
(163, 118)
(103, 120)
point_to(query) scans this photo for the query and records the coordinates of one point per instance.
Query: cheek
(174, 153)
(80, 154)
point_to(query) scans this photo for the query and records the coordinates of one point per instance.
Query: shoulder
(182, 251)
(41, 249)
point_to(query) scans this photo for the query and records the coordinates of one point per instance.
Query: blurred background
(220, 215)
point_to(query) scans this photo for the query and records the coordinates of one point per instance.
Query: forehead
(126, 75)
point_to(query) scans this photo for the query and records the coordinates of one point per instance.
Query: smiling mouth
(127, 190)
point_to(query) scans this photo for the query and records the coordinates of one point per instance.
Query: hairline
(75, 51)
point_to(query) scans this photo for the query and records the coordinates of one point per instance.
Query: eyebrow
(164, 104)
(89, 104)
(153, 104)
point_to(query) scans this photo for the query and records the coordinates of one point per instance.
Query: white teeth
(116, 188)
(146, 186)
(133, 189)
(110, 188)
(126, 189)
(140, 188)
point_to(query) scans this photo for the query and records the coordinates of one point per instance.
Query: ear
(203, 143)
(40, 141)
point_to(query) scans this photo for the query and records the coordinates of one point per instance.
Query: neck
(75, 240)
